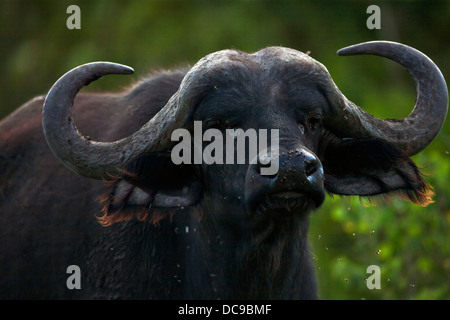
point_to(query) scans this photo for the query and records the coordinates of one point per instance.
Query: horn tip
(106, 67)
(344, 51)
(124, 69)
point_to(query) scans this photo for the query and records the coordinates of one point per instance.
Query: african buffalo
(142, 227)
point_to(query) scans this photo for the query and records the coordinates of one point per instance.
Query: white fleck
(302, 128)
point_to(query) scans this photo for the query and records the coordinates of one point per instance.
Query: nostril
(310, 167)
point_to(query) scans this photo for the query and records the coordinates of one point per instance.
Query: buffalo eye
(218, 124)
(314, 123)
(213, 124)
(310, 125)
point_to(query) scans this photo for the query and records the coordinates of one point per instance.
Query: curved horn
(413, 133)
(103, 160)
(100, 160)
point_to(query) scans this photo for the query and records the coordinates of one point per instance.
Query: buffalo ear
(367, 167)
(150, 188)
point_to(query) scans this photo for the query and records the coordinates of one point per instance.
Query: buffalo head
(326, 141)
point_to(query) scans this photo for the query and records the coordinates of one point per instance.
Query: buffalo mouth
(287, 202)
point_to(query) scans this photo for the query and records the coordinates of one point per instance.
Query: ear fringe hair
(142, 215)
(110, 215)
(418, 191)
(422, 196)
(114, 214)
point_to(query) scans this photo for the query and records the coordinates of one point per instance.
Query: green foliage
(409, 243)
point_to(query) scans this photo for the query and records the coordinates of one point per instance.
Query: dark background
(409, 243)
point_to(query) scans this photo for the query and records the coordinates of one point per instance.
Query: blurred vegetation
(409, 243)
